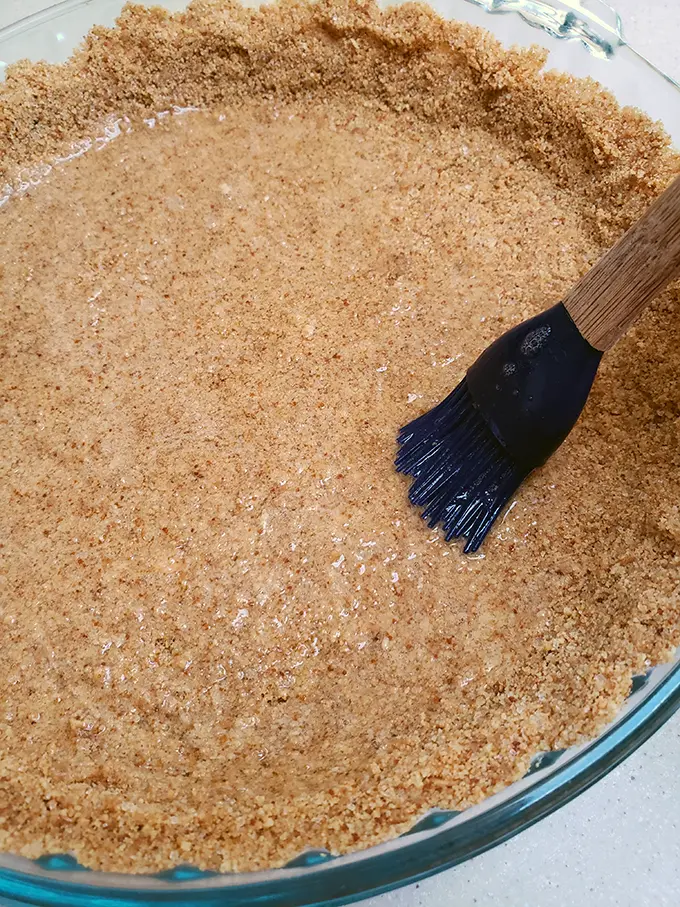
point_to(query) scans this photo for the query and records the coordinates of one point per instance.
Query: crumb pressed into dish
(225, 634)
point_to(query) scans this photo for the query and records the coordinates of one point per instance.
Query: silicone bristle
(462, 475)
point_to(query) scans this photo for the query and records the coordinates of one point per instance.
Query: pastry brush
(521, 398)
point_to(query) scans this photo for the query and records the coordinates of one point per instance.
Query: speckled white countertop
(617, 845)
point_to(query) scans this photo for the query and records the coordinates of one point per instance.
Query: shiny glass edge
(374, 871)
(445, 839)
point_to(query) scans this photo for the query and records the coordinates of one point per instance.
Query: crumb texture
(225, 634)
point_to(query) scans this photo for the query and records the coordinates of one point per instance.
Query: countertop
(619, 843)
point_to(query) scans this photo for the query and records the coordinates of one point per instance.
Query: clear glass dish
(585, 38)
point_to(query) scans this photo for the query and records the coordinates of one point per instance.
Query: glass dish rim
(435, 843)
(431, 850)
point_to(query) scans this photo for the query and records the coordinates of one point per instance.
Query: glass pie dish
(585, 39)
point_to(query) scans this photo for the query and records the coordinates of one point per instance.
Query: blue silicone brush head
(516, 405)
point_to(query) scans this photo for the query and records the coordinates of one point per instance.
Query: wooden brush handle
(613, 294)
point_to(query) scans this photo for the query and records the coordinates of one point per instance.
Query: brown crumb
(226, 636)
